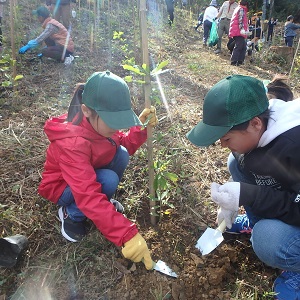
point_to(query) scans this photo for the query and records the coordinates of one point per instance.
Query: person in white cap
(210, 15)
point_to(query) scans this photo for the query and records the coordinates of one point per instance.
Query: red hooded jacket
(75, 151)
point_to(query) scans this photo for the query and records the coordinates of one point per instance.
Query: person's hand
(32, 44)
(243, 31)
(23, 49)
(227, 195)
(137, 250)
(227, 215)
(148, 116)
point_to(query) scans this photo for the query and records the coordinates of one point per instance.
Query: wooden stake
(12, 38)
(147, 91)
(295, 55)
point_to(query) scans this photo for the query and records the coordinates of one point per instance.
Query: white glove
(228, 215)
(227, 195)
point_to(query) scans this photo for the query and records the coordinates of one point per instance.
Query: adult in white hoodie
(263, 137)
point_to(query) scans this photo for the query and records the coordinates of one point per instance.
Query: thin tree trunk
(147, 90)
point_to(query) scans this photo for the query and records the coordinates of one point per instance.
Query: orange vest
(61, 36)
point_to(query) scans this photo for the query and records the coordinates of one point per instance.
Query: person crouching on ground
(59, 43)
(263, 136)
(86, 159)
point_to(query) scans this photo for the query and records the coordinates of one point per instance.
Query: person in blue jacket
(290, 31)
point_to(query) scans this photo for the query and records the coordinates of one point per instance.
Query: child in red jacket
(86, 159)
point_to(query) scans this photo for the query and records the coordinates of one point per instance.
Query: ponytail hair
(75, 105)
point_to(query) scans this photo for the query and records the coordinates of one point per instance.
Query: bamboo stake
(292, 66)
(12, 39)
(147, 90)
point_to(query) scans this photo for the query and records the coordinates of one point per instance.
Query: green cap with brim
(42, 11)
(232, 101)
(109, 96)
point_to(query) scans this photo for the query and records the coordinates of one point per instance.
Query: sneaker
(68, 60)
(119, 207)
(72, 231)
(287, 286)
(249, 43)
(217, 51)
(240, 225)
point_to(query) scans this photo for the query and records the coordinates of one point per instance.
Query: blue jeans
(240, 175)
(276, 243)
(109, 177)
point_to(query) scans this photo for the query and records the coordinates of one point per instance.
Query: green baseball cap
(42, 11)
(232, 101)
(108, 95)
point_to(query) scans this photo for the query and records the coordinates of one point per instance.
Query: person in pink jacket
(238, 30)
(86, 158)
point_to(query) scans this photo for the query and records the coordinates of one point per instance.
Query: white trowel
(162, 267)
(211, 239)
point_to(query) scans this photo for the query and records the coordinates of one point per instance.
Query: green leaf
(146, 69)
(6, 83)
(172, 176)
(128, 78)
(133, 69)
(159, 67)
(140, 81)
(18, 77)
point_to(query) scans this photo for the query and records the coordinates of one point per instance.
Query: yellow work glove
(148, 116)
(137, 250)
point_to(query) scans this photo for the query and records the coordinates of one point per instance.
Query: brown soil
(51, 268)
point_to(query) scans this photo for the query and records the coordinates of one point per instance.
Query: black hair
(278, 89)
(289, 18)
(244, 3)
(264, 118)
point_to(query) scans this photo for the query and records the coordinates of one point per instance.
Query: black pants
(171, 15)
(239, 50)
(54, 51)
